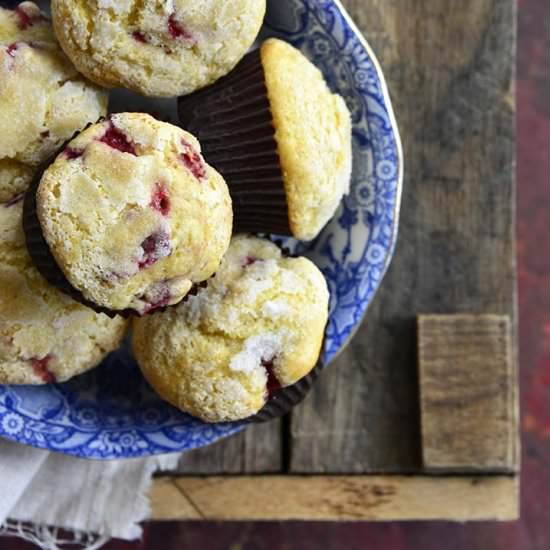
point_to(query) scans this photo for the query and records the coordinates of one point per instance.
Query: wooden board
(450, 68)
(469, 414)
(334, 498)
(449, 65)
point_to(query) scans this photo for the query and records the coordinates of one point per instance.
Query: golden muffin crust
(133, 215)
(157, 48)
(44, 335)
(43, 99)
(258, 325)
(313, 134)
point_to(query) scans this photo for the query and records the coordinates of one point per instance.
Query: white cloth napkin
(42, 491)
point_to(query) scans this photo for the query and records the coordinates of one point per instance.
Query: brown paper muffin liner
(232, 120)
(284, 400)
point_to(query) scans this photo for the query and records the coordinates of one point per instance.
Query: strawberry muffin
(157, 48)
(258, 326)
(281, 139)
(45, 336)
(43, 99)
(131, 213)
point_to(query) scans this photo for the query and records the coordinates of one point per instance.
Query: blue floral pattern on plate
(111, 412)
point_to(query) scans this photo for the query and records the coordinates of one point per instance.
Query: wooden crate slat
(335, 498)
(468, 406)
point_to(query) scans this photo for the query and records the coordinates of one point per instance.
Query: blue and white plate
(111, 412)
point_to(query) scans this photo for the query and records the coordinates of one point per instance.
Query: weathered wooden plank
(169, 502)
(469, 414)
(257, 450)
(333, 498)
(450, 69)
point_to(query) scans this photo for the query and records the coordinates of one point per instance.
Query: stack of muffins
(114, 221)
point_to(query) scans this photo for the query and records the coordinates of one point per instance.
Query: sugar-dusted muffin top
(157, 48)
(133, 215)
(313, 134)
(43, 99)
(44, 335)
(258, 325)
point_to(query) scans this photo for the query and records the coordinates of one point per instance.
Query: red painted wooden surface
(533, 531)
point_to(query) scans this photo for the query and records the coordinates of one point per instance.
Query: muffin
(280, 138)
(159, 49)
(130, 214)
(258, 326)
(43, 99)
(45, 336)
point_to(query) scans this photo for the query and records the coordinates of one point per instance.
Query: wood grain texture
(469, 414)
(256, 450)
(450, 68)
(333, 498)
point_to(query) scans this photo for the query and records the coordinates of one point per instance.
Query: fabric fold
(107, 499)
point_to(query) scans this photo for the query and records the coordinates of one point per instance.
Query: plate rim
(388, 103)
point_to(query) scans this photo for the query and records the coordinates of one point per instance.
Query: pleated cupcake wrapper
(233, 121)
(284, 400)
